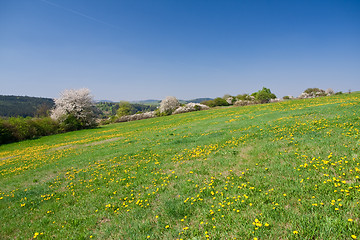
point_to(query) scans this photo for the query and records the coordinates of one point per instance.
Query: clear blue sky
(149, 49)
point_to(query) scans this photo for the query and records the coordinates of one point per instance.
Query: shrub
(5, 132)
(168, 105)
(19, 128)
(316, 92)
(75, 107)
(45, 126)
(264, 95)
(246, 102)
(190, 107)
(209, 103)
(216, 102)
(286, 97)
(220, 102)
(134, 117)
(329, 91)
(71, 123)
(244, 97)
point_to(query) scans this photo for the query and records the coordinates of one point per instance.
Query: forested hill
(13, 106)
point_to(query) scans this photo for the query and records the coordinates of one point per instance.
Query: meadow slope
(286, 170)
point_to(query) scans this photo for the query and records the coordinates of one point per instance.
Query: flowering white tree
(75, 106)
(168, 105)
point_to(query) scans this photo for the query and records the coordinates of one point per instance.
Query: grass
(286, 170)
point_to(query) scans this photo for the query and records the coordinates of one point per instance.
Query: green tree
(124, 109)
(264, 95)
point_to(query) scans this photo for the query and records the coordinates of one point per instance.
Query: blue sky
(150, 49)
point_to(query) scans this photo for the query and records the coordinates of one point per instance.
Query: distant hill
(157, 102)
(24, 106)
(198, 100)
(147, 102)
(103, 101)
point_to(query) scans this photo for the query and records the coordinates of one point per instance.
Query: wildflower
(350, 220)
(295, 232)
(353, 236)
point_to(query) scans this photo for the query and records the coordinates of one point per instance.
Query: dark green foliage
(264, 95)
(209, 103)
(220, 102)
(109, 109)
(5, 132)
(198, 100)
(244, 97)
(286, 97)
(19, 128)
(197, 108)
(216, 102)
(13, 106)
(71, 123)
(124, 109)
(135, 107)
(161, 114)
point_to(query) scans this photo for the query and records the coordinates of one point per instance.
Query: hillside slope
(286, 170)
(13, 106)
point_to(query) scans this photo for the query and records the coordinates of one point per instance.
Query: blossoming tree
(75, 109)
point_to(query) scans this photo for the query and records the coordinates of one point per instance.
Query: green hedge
(18, 128)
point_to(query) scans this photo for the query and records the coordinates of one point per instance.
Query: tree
(264, 95)
(124, 109)
(168, 105)
(74, 109)
(220, 102)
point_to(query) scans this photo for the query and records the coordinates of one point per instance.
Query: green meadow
(287, 170)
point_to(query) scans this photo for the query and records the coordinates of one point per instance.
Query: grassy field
(286, 170)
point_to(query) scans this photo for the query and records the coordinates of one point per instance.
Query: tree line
(76, 109)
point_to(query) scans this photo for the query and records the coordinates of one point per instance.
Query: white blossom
(78, 103)
(168, 105)
(190, 107)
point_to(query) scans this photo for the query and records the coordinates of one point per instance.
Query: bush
(168, 105)
(45, 126)
(209, 103)
(264, 95)
(220, 102)
(190, 107)
(286, 97)
(19, 128)
(5, 132)
(216, 102)
(74, 109)
(71, 123)
(244, 97)
(134, 117)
